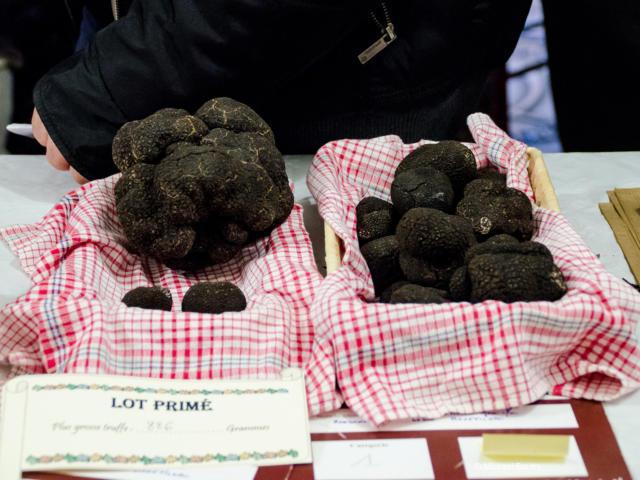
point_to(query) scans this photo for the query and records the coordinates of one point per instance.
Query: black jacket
(293, 61)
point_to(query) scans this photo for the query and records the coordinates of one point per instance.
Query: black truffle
(429, 272)
(375, 218)
(412, 293)
(213, 297)
(385, 296)
(492, 175)
(154, 298)
(422, 187)
(191, 196)
(508, 271)
(381, 256)
(449, 156)
(434, 235)
(493, 208)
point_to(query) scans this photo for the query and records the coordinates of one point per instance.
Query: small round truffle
(213, 297)
(153, 298)
(422, 187)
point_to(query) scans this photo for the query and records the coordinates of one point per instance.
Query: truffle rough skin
(196, 188)
(493, 208)
(452, 158)
(145, 141)
(213, 297)
(154, 298)
(375, 218)
(434, 235)
(422, 187)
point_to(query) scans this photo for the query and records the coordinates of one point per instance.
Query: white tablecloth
(29, 188)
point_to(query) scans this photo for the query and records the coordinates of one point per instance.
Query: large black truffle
(213, 297)
(448, 156)
(494, 208)
(195, 189)
(154, 298)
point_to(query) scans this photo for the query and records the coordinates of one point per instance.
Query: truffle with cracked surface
(422, 187)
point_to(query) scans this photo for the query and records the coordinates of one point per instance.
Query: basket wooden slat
(543, 192)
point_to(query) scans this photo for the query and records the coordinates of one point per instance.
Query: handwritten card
(551, 415)
(394, 458)
(63, 422)
(476, 466)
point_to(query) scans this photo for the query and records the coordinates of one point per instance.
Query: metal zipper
(388, 36)
(115, 9)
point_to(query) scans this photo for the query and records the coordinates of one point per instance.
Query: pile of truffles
(196, 188)
(203, 297)
(453, 233)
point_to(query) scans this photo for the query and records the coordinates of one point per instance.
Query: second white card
(384, 459)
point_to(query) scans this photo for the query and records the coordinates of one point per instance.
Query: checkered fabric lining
(407, 360)
(73, 321)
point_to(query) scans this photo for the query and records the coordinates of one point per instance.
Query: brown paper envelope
(620, 211)
(630, 200)
(623, 237)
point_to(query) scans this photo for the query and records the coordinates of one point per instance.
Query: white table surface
(29, 188)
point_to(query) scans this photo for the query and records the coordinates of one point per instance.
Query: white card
(103, 422)
(550, 415)
(384, 459)
(237, 472)
(477, 466)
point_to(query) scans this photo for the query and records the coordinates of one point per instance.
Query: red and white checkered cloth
(408, 360)
(73, 321)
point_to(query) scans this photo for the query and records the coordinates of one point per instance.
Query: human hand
(54, 157)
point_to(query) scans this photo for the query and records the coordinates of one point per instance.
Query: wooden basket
(543, 192)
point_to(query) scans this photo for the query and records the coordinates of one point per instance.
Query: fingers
(54, 157)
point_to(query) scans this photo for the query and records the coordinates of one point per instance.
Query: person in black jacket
(295, 62)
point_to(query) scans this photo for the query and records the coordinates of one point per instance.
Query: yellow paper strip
(514, 447)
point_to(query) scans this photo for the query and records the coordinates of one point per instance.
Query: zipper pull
(379, 45)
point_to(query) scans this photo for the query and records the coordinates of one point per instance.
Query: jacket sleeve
(180, 53)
